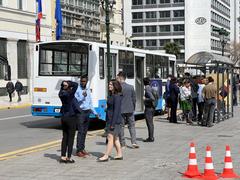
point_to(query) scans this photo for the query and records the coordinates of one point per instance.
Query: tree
(172, 48)
(235, 53)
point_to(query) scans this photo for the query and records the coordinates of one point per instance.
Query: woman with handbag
(114, 120)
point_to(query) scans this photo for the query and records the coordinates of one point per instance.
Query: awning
(204, 58)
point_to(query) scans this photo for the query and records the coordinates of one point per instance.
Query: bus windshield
(63, 59)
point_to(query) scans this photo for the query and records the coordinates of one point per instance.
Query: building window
(138, 43)
(151, 1)
(151, 15)
(101, 63)
(162, 42)
(165, 28)
(20, 4)
(137, 2)
(151, 29)
(126, 63)
(3, 53)
(22, 59)
(178, 1)
(137, 15)
(164, 14)
(179, 41)
(164, 1)
(137, 29)
(178, 27)
(151, 42)
(178, 13)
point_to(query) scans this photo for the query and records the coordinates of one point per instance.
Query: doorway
(139, 88)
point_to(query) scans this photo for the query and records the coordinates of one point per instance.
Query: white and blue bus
(69, 59)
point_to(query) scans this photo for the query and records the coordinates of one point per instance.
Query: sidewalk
(5, 104)
(164, 159)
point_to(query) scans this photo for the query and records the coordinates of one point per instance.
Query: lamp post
(222, 35)
(107, 5)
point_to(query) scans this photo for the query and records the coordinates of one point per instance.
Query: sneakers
(149, 140)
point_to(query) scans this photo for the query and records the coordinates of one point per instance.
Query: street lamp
(222, 35)
(107, 5)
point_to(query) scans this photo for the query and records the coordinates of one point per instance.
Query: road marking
(15, 117)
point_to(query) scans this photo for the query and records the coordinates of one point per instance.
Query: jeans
(149, 112)
(83, 123)
(209, 108)
(130, 120)
(69, 129)
(200, 111)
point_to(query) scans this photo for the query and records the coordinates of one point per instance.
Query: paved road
(164, 159)
(19, 129)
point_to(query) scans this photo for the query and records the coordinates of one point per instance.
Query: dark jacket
(67, 98)
(18, 86)
(10, 87)
(149, 98)
(129, 98)
(174, 92)
(114, 109)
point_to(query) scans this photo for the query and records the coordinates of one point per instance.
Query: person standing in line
(68, 119)
(209, 94)
(127, 110)
(19, 88)
(85, 108)
(114, 119)
(201, 85)
(167, 96)
(149, 109)
(10, 89)
(174, 92)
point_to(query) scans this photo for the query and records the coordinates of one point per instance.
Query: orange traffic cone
(228, 168)
(209, 173)
(192, 170)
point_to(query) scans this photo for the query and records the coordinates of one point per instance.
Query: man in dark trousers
(149, 109)
(127, 110)
(85, 108)
(19, 88)
(10, 90)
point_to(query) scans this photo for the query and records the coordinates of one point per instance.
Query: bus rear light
(40, 109)
(37, 89)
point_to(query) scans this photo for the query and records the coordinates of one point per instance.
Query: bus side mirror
(7, 73)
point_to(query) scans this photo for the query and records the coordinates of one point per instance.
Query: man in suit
(127, 110)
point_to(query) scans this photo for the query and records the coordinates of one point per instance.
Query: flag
(39, 9)
(58, 17)
(39, 17)
(38, 36)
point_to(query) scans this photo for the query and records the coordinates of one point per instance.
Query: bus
(56, 61)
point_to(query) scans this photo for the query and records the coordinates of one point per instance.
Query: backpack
(156, 97)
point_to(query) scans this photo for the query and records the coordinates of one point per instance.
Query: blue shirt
(85, 103)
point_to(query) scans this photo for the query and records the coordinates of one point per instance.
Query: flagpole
(53, 20)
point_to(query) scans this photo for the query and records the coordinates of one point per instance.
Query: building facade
(81, 19)
(117, 36)
(153, 23)
(17, 38)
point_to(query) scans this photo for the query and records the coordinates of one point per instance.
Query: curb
(3, 107)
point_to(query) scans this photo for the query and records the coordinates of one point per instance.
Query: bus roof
(113, 47)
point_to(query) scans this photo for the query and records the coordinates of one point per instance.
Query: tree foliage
(172, 48)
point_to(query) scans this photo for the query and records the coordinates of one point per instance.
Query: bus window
(149, 66)
(126, 63)
(63, 59)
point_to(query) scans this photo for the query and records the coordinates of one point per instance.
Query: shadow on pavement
(97, 154)
(52, 156)
(50, 123)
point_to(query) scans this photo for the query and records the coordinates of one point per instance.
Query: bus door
(112, 64)
(139, 88)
